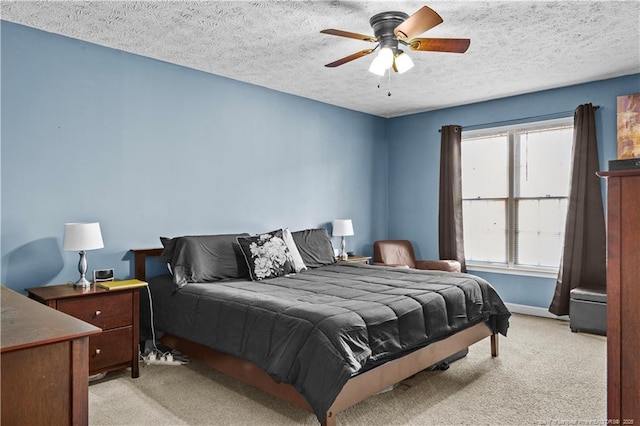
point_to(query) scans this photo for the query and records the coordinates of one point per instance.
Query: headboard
(140, 261)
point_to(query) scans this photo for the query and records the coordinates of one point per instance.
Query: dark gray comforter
(318, 328)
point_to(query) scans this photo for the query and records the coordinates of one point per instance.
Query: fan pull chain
(388, 83)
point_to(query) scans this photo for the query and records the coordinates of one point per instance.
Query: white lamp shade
(342, 228)
(386, 56)
(82, 236)
(403, 63)
(377, 67)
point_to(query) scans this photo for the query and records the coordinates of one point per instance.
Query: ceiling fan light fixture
(382, 62)
(403, 62)
(395, 29)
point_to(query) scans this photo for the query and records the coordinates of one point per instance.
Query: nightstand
(356, 259)
(115, 311)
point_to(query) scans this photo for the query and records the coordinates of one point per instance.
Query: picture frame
(628, 123)
(102, 275)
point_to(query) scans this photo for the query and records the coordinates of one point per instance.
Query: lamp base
(82, 268)
(343, 250)
(82, 282)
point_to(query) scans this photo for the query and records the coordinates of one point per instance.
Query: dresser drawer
(105, 311)
(109, 348)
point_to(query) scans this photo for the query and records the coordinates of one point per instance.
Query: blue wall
(414, 158)
(148, 148)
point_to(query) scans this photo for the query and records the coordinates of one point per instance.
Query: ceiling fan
(392, 29)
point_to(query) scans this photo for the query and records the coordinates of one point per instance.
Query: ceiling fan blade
(357, 36)
(349, 58)
(452, 45)
(421, 21)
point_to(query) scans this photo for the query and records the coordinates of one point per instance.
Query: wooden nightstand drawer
(109, 348)
(104, 311)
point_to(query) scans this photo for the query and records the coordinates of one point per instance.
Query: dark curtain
(450, 231)
(584, 257)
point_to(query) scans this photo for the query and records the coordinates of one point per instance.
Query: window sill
(513, 270)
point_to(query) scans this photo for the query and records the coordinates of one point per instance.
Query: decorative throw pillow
(267, 255)
(298, 263)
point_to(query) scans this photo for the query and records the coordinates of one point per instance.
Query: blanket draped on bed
(318, 328)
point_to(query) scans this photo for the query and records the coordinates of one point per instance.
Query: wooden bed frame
(357, 389)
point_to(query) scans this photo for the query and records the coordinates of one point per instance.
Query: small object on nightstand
(115, 285)
(100, 275)
(356, 259)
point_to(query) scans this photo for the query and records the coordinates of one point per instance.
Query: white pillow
(298, 263)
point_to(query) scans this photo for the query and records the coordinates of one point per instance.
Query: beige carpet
(545, 374)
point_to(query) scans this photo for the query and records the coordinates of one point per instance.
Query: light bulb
(403, 62)
(382, 62)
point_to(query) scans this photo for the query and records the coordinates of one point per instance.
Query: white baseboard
(535, 311)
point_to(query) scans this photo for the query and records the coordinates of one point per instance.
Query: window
(515, 187)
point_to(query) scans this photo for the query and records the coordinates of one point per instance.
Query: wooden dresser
(44, 364)
(623, 296)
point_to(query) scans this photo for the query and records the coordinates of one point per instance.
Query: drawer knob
(98, 313)
(98, 351)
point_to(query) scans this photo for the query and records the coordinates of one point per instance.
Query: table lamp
(342, 228)
(82, 237)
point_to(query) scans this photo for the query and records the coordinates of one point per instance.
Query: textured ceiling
(516, 46)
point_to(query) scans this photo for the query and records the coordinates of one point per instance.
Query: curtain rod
(517, 120)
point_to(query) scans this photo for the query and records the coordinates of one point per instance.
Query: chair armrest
(439, 265)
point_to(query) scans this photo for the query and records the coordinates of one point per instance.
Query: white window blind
(515, 185)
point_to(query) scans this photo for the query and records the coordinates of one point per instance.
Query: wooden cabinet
(623, 296)
(116, 312)
(44, 364)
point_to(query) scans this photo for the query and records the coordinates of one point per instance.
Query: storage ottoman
(588, 310)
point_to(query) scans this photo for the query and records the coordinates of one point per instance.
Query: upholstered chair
(400, 253)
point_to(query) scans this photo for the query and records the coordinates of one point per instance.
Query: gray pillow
(315, 247)
(204, 258)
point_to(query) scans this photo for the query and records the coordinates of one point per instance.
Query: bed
(323, 338)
